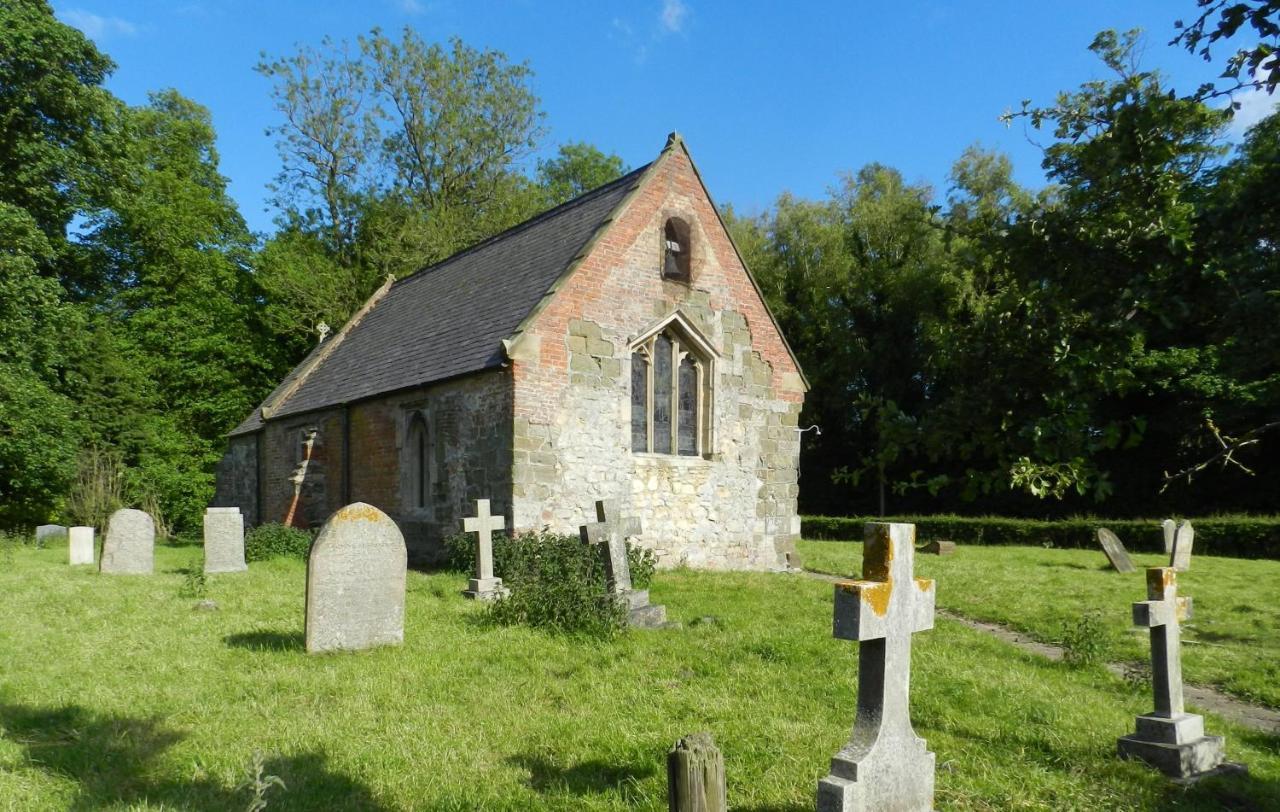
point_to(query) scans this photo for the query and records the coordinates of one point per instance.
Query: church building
(615, 347)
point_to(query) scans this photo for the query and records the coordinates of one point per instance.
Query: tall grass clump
(276, 541)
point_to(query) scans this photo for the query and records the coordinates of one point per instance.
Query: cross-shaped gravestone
(1115, 550)
(1180, 557)
(1169, 738)
(885, 765)
(610, 535)
(484, 586)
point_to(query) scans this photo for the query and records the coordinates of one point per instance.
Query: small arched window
(676, 250)
(419, 461)
(670, 394)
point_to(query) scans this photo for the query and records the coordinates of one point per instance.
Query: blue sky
(771, 97)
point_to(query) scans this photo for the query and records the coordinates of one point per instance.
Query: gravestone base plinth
(900, 780)
(640, 613)
(1177, 746)
(486, 589)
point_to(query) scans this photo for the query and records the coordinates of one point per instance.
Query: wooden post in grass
(695, 776)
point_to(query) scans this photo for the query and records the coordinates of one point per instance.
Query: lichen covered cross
(1163, 613)
(483, 524)
(611, 533)
(885, 764)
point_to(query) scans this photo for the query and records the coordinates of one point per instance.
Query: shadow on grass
(267, 641)
(585, 778)
(112, 760)
(1231, 792)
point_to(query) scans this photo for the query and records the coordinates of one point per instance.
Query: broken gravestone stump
(885, 765)
(1115, 551)
(484, 586)
(695, 776)
(609, 536)
(939, 547)
(130, 546)
(356, 582)
(1170, 739)
(80, 545)
(1180, 557)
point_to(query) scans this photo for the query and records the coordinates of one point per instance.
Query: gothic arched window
(670, 394)
(419, 458)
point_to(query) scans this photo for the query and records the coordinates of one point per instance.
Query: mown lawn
(115, 694)
(1232, 640)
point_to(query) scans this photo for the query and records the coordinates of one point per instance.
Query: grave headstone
(129, 548)
(1115, 551)
(885, 765)
(1180, 558)
(1170, 530)
(47, 533)
(223, 540)
(1169, 739)
(695, 776)
(938, 547)
(484, 586)
(609, 536)
(80, 545)
(355, 582)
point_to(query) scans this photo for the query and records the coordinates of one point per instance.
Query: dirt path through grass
(1243, 713)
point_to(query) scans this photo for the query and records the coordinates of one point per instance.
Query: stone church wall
(735, 506)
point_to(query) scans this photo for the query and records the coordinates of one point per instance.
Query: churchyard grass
(114, 693)
(1232, 640)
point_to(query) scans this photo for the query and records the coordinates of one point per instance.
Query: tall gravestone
(48, 533)
(80, 545)
(885, 765)
(1169, 739)
(1183, 540)
(484, 586)
(1170, 530)
(355, 582)
(1115, 551)
(609, 536)
(223, 540)
(129, 548)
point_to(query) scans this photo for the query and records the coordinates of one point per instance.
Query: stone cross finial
(885, 765)
(608, 531)
(1169, 738)
(484, 586)
(323, 329)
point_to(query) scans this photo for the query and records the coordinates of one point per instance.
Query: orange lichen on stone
(1183, 609)
(877, 556)
(359, 512)
(1158, 579)
(924, 584)
(875, 594)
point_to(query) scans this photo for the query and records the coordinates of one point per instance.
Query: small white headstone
(129, 548)
(81, 545)
(355, 582)
(1180, 558)
(223, 540)
(1170, 530)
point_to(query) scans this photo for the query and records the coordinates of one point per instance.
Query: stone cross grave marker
(1169, 739)
(46, 533)
(355, 582)
(885, 765)
(223, 540)
(129, 548)
(80, 545)
(1180, 558)
(609, 535)
(1170, 529)
(484, 586)
(1115, 551)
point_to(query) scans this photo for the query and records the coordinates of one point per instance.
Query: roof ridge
(532, 221)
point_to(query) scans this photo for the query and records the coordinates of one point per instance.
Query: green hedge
(1238, 536)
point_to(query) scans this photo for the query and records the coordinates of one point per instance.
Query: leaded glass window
(669, 395)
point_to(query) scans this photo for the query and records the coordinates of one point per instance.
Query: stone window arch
(677, 250)
(418, 447)
(672, 370)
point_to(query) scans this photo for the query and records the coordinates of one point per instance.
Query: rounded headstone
(356, 581)
(129, 548)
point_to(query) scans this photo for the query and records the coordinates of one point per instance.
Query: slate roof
(449, 319)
